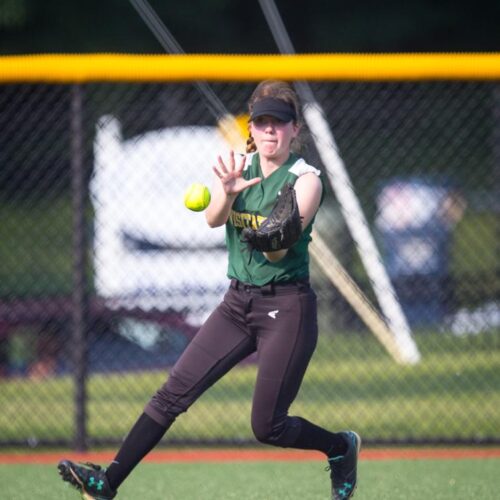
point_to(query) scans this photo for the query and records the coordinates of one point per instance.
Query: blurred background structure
(225, 26)
(105, 277)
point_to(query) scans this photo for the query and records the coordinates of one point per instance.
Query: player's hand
(230, 174)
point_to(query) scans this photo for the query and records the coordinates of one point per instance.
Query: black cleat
(88, 478)
(343, 469)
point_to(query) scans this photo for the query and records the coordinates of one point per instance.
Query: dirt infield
(254, 455)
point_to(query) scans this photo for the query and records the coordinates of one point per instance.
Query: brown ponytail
(251, 147)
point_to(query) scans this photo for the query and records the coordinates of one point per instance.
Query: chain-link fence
(105, 276)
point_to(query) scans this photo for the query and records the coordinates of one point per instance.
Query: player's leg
(285, 346)
(219, 344)
(285, 343)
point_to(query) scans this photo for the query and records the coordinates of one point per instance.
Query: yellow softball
(197, 197)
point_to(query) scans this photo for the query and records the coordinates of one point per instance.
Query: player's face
(273, 137)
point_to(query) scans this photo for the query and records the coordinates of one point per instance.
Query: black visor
(270, 106)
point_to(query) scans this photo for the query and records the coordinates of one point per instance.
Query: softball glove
(281, 229)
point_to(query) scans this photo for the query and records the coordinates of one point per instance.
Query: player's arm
(308, 190)
(228, 184)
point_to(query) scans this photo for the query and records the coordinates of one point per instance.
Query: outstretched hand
(231, 175)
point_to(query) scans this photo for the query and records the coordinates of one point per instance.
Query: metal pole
(79, 308)
(341, 184)
(171, 46)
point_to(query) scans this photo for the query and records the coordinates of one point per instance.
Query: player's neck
(268, 165)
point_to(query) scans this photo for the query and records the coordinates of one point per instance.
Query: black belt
(269, 288)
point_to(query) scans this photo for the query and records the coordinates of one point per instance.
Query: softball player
(269, 308)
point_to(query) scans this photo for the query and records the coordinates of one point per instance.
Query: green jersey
(250, 208)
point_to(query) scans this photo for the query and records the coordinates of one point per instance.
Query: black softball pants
(279, 322)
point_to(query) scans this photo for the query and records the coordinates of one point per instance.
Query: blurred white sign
(149, 250)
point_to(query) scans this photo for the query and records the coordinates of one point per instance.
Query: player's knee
(263, 434)
(167, 403)
(267, 432)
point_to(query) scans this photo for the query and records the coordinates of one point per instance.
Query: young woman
(269, 308)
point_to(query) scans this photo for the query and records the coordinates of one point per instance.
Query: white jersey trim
(248, 160)
(300, 167)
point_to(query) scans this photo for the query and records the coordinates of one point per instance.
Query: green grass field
(384, 480)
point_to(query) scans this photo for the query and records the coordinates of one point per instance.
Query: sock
(312, 437)
(142, 438)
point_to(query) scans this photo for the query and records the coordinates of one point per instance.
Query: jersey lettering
(242, 219)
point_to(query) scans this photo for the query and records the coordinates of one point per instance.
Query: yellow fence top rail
(313, 67)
